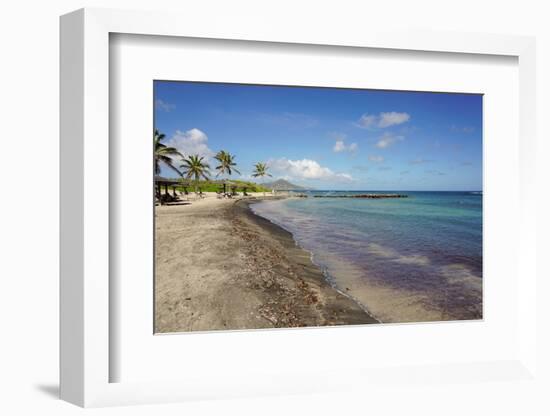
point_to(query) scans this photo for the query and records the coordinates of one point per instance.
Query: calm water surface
(408, 259)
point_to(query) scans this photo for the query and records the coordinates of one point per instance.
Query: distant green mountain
(282, 185)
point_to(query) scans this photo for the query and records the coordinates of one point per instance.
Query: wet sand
(220, 267)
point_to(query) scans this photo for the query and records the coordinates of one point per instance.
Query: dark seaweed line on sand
(277, 228)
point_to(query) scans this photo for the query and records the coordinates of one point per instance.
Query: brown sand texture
(220, 267)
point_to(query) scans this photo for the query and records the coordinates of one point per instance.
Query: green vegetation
(218, 185)
(164, 154)
(227, 163)
(260, 171)
(226, 166)
(194, 167)
(194, 172)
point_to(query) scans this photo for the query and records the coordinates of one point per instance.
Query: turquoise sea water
(405, 260)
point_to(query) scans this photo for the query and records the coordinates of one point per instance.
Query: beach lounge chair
(167, 198)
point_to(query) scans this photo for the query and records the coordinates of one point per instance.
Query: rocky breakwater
(366, 196)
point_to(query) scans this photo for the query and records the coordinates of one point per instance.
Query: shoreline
(291, 243)
(329, 278)
(220, 266)
(456, 296)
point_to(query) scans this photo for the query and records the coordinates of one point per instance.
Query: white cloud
(161, 105)
(392, 118)
(305, 169)
(191, 142)
(387, 139)
(368, 120)
(247, 177)
(383, 120)
(376, 159)
(341, 146)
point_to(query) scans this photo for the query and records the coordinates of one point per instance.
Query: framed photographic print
(332, 201)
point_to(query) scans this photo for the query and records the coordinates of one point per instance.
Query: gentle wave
(400, 263)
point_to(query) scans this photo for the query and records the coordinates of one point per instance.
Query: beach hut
(232, 186)
(161, 182)
(227, 184)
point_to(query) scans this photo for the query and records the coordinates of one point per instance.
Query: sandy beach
(219, 266)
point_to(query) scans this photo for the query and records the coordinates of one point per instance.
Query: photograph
(279, 206)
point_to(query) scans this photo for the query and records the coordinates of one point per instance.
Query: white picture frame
(85, 213)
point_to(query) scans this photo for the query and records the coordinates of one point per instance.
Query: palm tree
(194, 167)
(164, 153)
(227, 164)
(260, 170)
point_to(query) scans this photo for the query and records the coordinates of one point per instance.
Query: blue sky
(329, 138)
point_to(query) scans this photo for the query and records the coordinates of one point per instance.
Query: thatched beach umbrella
(228, 184)
(231, 185)
(166, 182)
(184, 183)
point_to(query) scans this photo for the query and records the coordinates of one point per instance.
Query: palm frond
(163, 153)
(194, 166)
(227, 163)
